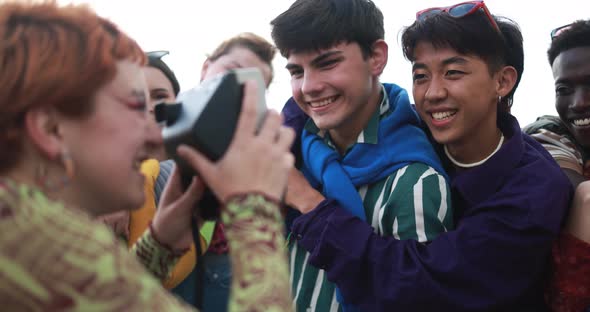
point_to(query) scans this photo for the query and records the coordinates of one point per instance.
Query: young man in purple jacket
(509, 196)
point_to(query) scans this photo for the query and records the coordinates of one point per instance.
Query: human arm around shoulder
(492, 259)
(554, 137)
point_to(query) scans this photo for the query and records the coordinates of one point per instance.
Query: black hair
(320, 24)
(473, 34)
(156, 62)
(576, 35)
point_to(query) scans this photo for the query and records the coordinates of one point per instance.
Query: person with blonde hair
(210, 283)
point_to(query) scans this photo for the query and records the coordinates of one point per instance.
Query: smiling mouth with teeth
(581, 122)
(443, 115)
(322, 102)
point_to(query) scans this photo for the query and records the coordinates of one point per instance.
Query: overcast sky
(190, 29)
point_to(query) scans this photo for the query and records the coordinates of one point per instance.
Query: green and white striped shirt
(412, 203)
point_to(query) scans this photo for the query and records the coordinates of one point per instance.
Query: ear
(41, 125)
(506, 79)
(378, 58)
(204, 69)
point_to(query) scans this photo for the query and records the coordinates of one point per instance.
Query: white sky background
(190, 29)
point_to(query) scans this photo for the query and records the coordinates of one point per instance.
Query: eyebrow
(158, 89)
(455, 60)
(572, 79)
(316, 61)
(321, 58)
(451, 60)
(291, 66)
(418, 66)
(235, 63)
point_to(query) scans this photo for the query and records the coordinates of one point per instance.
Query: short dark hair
(155, 61)
(475, 35)
(320, 24)
(577, 35)
(263, 49)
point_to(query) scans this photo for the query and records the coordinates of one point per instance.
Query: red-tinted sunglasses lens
(462, 9)
(428, 13)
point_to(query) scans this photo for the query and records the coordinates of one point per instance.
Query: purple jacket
(508, 211)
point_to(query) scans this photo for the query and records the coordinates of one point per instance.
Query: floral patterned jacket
(57, 259)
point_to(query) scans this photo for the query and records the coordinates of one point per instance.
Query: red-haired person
(163, 87)
(74, 130)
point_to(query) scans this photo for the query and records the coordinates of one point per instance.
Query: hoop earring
(68, 164)
(53, 185)
(47, 184)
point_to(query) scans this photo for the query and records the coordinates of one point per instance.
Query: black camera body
(205, 118)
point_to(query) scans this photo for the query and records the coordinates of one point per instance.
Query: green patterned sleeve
(254, 230)
(155, 257)
(418, 206)
(71, 262)
(54, 258)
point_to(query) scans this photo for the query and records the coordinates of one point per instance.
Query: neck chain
(462, 165)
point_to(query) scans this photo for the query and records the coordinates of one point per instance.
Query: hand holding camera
(253, 163)
(208, 118)
(257, 160)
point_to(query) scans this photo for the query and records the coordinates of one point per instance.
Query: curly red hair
(56, 56)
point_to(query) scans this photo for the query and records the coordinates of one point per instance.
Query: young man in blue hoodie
(362, 145)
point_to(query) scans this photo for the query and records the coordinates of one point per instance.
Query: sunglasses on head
(157, 54)
(459, 10)
(559, 30)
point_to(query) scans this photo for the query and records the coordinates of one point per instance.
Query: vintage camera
(205, 118)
